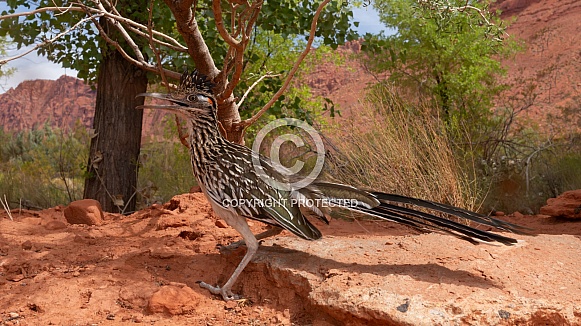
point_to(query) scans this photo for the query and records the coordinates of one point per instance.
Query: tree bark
(114, 151)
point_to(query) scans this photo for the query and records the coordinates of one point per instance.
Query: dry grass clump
(392, 146)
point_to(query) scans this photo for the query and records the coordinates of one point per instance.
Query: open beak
(175, 106)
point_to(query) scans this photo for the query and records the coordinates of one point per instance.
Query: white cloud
(32, 67)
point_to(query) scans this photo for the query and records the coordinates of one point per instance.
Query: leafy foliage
(43, 167)
(3, 71)
(451, 56)
(165, 168)
(79, 49)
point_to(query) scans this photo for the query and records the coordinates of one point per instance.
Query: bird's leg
(275, 230)
(240, 225)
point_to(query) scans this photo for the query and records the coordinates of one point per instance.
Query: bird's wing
(258, 193)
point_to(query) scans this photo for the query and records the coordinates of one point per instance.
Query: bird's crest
(195, 82)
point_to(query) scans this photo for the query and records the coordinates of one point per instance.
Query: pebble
(27, 245)
(231, 305)
(221, 224)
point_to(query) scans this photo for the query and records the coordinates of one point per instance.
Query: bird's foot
(226, 294)
(231, 247)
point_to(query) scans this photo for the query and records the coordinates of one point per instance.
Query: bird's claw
(231, 247)
(226, 294)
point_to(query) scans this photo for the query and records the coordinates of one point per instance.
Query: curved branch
(294, 69)
(188, 28)
(254, 85)
(130, 23)
(124, 34)
(239, 51)
(217, 9)
(173, 43)
(141, 64)
(59, 35)
(40, 10)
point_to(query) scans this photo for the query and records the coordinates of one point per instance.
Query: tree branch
(437, 6)
(141, 64)
(254, 85)
(188, 28)
(37, 46)
(134, 26)
(94, 13)
(294, 69)
(239, 50)
(217, 9)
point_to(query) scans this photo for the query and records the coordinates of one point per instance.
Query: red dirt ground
(53, 273)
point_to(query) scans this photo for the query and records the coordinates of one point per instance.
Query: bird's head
(192, 99)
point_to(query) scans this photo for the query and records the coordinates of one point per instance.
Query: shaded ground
(360, 273)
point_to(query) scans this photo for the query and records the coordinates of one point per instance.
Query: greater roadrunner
(226, 174)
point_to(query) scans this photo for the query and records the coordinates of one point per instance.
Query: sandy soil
(53, 273)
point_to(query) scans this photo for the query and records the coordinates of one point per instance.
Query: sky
(32, 66)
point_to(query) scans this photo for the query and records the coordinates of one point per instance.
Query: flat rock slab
(428, 279)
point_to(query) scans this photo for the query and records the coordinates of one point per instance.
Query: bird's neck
(206, 142)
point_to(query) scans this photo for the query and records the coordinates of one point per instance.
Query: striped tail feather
(389, 207)
(454, 211)
(426, 221)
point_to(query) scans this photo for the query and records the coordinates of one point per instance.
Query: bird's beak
(175, 106)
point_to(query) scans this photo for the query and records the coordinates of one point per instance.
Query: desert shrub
(393, 146)
(43, 167)
(165, 171)
(46, 166)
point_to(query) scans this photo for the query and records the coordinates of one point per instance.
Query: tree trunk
(114, 152)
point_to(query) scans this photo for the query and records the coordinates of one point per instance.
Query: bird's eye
(204, 98)
(193, 98)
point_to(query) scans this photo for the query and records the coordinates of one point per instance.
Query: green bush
(165, 169)
(43, 167)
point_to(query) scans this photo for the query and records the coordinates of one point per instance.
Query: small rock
(13, 315)
(174, 300)
(229, 305)
(221, 224)
(498, 213)
(161, 253)
(189, 235)
(85, 211)
(503, 314)
(27, 245)
(404, 306)
(518, 215)
(55, 225)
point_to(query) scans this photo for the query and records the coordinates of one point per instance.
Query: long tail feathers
(389, 207)
(455, 211)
